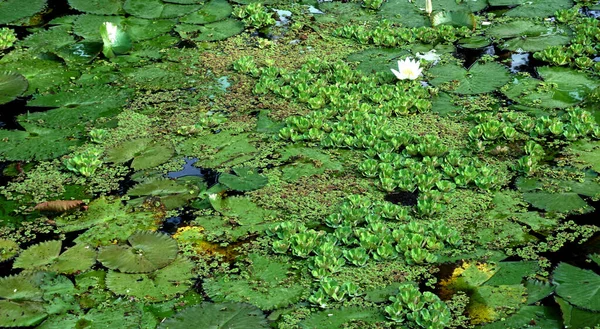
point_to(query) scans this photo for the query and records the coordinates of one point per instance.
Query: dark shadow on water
(403, 198)
(171, 224)
(10, 111)
(210, 176)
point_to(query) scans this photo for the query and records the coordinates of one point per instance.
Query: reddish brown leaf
(58, 205)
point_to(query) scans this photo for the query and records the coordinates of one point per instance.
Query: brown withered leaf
(58, 205)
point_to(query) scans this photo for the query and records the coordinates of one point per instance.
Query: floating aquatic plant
(218, 315)
(47, 256)
(12, 85)
(147, 252)
(245, 179)
(146, 153)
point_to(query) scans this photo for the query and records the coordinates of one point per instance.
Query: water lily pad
(511, 273)
(336, 318)
(212, 11)
(308, 162)
(20, 287)
(491, 303)
(453, 5)
(217, 150)
(80, 52)
(220, 30)
(41, 74)
(99, 7)
(144, 29)
(157, 9)
(533, 8)
(559, 202)
(574, 317)
(49, 40)
(537, 290)
(245, 179)
(217, 315)
(480, 78)
(160, 285)
(562, 87)
(88, 25)
(577, 286)
(12, 85)
(147, 251)
(474, 42)
(21, 314)
(375, 60)
(172, 193)
(529, 36)
(586, 155)
(406, 13)
(13, 10)
(343, 12)
(8, 249)
(145, 152)
(36, 143)
(543, 317)
(266, 285)
(38, 255)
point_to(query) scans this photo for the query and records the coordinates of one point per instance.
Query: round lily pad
(100, 7)
(11, 86)
(480, 78)
(212, 11)
(145, 152)
(38, 255)
(157, 9)
(245, 179)
(577, 286)
(8, 249)
(220, 30)
(529, 36)
(220, 315)
(148, 251)
(12, 10)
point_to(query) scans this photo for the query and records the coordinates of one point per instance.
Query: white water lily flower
(111, 31)
(408, 69)
(429, 56)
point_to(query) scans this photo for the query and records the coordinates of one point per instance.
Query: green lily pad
(79, 53)
(444, 105)
(480, 78)
(266, 285)
(558, 202)
(38, 255)
(374, 60)
(336, 318)
(577, 286)
(522, 36)
(245, 179)
(99, 7)
(475, 42)
(49, 40)
(574, 317)
(406, 13)
(12, 85)
(172, 193)
(41, 74)
(212, 11)
(538, 290)
(21, 314)
(157, 9)
(511, 273)
(219, 150)
(8, 249)
(36, 143)
(533, 8)
(543, 316)
(496, 302)
(217, 315)
(20, 287)
(220, 30)
(160, 285)
(561, 88)
(308, 162)
(88, 25)
(145, 153)
(587, 155)
(13, 10)
(45, 256)
(145, 29)
(337, 11)
(147, 251)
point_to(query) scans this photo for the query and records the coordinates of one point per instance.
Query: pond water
(305, 164)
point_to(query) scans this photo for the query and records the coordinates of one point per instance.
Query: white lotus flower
(111, 31)
(408, 69)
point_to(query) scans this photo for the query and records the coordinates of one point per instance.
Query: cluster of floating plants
(307, 164)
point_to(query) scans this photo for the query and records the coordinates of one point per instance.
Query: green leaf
(148, 251)
(79, 53)
(99, 7)
(529, 36)
(49, 40)
(533, 8)
(474, 42)
(491, 303)
(145, 153)
(576, 318)
(266, 125)
(578, 287)
(405, 13)
(12, 10)
(245, 179)
(561, 87)
(558, 202)
(172, 193)
(160, 285)
(212, 11)
(534, 317)
(116, 40)
(88, 26)
(76, 259)
(537, 290)
(8, 249)
(38, 255)
(336, 318)
(41, 74)
(308, 162)
(12, 85)
(144, 29)
(454, 18)
(266, 285)
(219, 150)
(20, 287)
(586, 155)
(512, 273)
(375, 60)
(157, 9)
(444, 105)
(220, 30)
(480, 78)
(108, 220)
(217, 316)
(23, 314)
